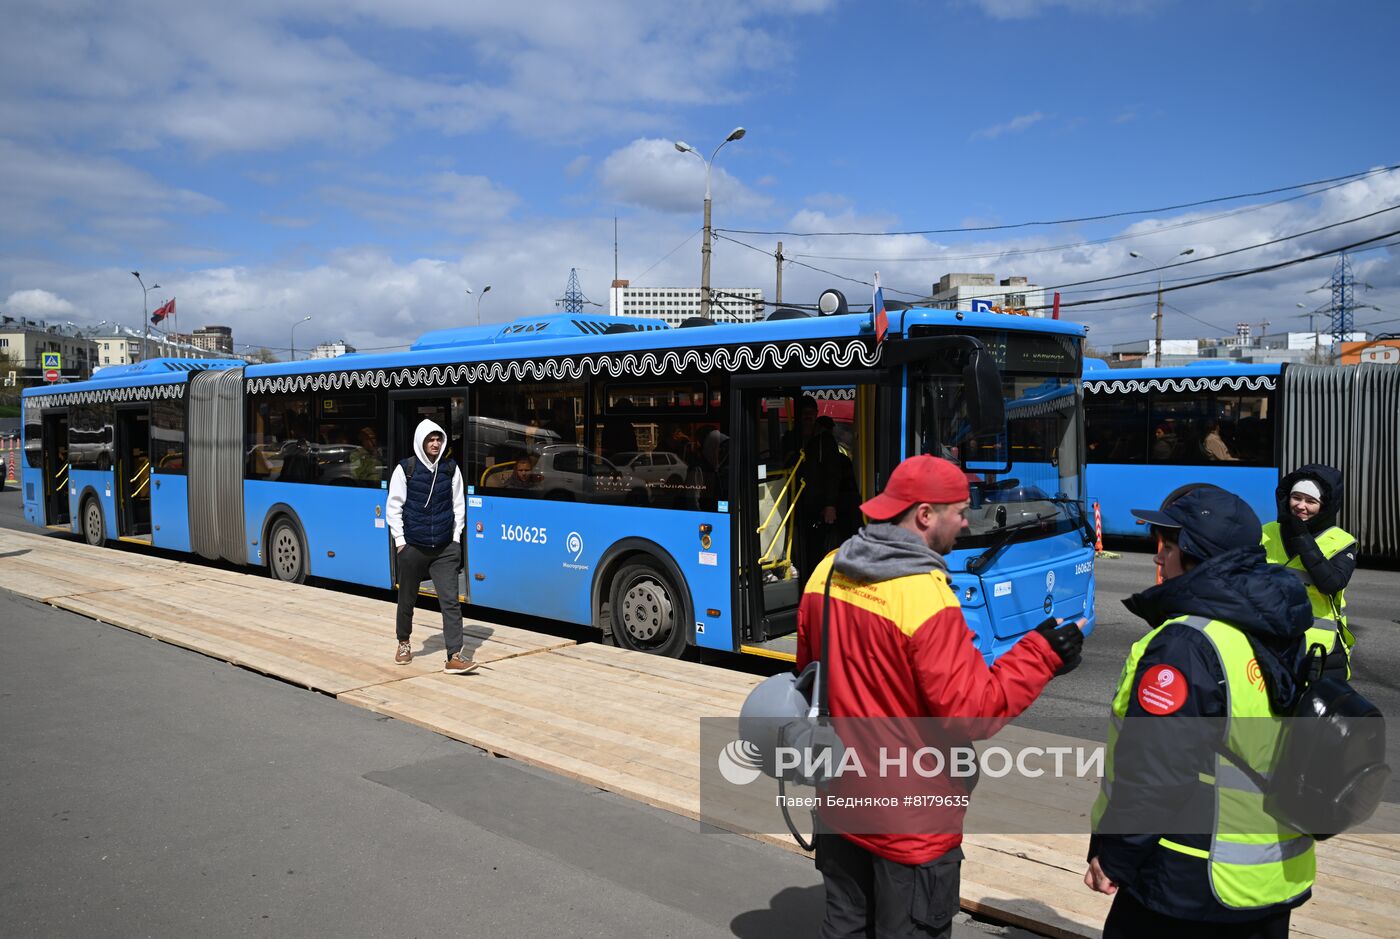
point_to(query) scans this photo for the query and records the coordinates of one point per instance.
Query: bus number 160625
(526, 533)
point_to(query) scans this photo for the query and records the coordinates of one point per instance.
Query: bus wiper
(1081, 516)
(980, 563)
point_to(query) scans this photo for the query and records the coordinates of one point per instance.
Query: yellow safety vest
(1253, 860)
(1329, 610)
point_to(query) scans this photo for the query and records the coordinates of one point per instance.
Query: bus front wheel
(286, 558)
(646, 611)
(94, 526)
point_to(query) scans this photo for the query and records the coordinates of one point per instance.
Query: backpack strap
(407, 465)
(823, 699)
(823, 715)
(1239, 763)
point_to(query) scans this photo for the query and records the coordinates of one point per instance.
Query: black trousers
(1129, 919)
(441, 565)
(868, 896)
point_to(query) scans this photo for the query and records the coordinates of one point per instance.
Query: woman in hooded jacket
(1307, 540)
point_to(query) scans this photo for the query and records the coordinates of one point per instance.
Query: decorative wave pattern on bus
(629, 364)
(832, 394)
(166, 392)
(1140, 386)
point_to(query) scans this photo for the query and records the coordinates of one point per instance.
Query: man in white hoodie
(427, 512)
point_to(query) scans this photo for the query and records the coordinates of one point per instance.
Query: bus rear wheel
(646, 611)
(286, 552)
(94, 525)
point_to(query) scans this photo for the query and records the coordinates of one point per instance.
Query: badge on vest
(1162, 690)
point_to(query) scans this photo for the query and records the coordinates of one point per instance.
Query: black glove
(1295, 534)
(1065, 640)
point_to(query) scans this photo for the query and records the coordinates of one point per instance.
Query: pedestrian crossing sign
(49, 360)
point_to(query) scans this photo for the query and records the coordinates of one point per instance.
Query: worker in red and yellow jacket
(900, 648)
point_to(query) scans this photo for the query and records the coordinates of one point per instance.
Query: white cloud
(262, 75)
(1025, 9)
(97, 201)
(372, 299)
(285, 221)
(447, 201)
(577, 166)
(38, 303)
(911, 264)
(1013, 126)
(652, 174)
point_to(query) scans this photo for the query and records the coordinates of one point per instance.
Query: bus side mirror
(986, 409)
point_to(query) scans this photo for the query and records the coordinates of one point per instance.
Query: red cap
(920, 478)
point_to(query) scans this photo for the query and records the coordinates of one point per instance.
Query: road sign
(50, 360)
(50, 374)
(981, 306)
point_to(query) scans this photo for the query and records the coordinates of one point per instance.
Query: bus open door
(55, 437)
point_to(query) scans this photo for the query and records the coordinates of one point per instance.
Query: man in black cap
(1181, 838)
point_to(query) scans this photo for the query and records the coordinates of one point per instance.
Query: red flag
(877, 309)
(167, 309)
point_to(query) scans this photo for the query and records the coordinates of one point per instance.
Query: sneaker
(457, 665)
(404, 655)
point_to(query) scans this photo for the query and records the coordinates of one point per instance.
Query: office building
(674, 305)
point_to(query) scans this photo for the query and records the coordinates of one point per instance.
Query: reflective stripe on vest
(1328, 611)
(1230, 776)
(1254, 861)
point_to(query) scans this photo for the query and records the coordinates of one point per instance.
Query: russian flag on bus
(877, 311)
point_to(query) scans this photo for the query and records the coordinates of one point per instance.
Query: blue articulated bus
(107, 458)
(1152, 430)
(653, 482)
(1241, 427)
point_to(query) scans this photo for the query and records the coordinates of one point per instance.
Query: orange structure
(1376, 351)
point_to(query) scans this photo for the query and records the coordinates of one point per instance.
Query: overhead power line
(1363, 174)
(1215, 279)
(1235, 275)
(1110, 277)
(1092, 242)
(1225, 254)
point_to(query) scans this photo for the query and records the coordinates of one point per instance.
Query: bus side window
(1117, 429)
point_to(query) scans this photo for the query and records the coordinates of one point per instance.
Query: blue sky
(366, 163)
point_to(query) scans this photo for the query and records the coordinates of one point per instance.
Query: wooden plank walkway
(618, 720)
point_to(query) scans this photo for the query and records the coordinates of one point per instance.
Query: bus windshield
(1026, 483)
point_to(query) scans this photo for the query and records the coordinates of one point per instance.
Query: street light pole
(294, 335)
(1317, 337)
(145, 312)
(735, 134)
(484, 291)
(1157, 361)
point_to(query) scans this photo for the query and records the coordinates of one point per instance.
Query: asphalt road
(1076, 704)
(149, 790)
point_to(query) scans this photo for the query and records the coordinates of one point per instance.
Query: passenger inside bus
(367, 462)
(562, 423)
(298, 458)
(828, 509)
(1164, 443)
(522, 479)
(708, 479)
(1214, 445)
(619, 433)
